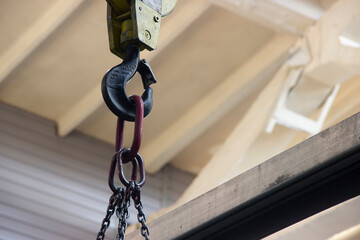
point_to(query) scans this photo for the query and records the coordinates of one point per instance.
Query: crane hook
(114, 81)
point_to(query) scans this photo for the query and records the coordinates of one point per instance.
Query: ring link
(137, 161)
(112, 172)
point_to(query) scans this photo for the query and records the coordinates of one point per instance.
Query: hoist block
(135, 22)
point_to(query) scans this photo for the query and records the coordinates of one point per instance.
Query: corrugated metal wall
(52, 188)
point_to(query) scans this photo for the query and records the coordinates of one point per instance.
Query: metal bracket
(135, 22)
(146, 24)
(291, 119)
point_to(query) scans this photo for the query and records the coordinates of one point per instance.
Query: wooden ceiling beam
(183, 16)
(286, 179)
(213, 106)
(270, 14)
(346, 104)
(333, 62)
(227, 158)
(330, 63)
(346, 100)
(35, 35)
(243, 136)
(310, 9)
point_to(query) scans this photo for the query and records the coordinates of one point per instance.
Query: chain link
(114, 200)
(119, 203)
(142, 220)
(136, 196)
(120, 200)
(123, 214)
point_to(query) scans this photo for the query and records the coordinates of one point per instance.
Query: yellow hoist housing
(136, 22)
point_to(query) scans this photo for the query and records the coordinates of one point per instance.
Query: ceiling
(222, 69)
(54, 55)
(60, 77)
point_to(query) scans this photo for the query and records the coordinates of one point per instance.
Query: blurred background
(239, 81)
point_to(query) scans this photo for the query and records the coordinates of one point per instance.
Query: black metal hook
(114, 81)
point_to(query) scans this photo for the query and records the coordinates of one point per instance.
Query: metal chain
(123, 214)
(142, 220)
(114, 200)
(136, 196)
(120, 200)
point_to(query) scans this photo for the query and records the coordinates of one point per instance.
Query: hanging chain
(133, 191)
(119, 201)
(142, 220)
(141, 215)
(123, 214)
(114, 200)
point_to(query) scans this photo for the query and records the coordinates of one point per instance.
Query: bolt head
(156, 18)
(147, 35)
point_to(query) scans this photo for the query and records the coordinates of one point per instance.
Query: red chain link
(139, 116)
(137, 130)
(119, 134)
(129, 155)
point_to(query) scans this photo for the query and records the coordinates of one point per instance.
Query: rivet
(147, 35)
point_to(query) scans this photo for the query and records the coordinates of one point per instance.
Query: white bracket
(294, 120)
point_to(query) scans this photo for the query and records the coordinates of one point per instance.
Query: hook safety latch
(114, 82)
